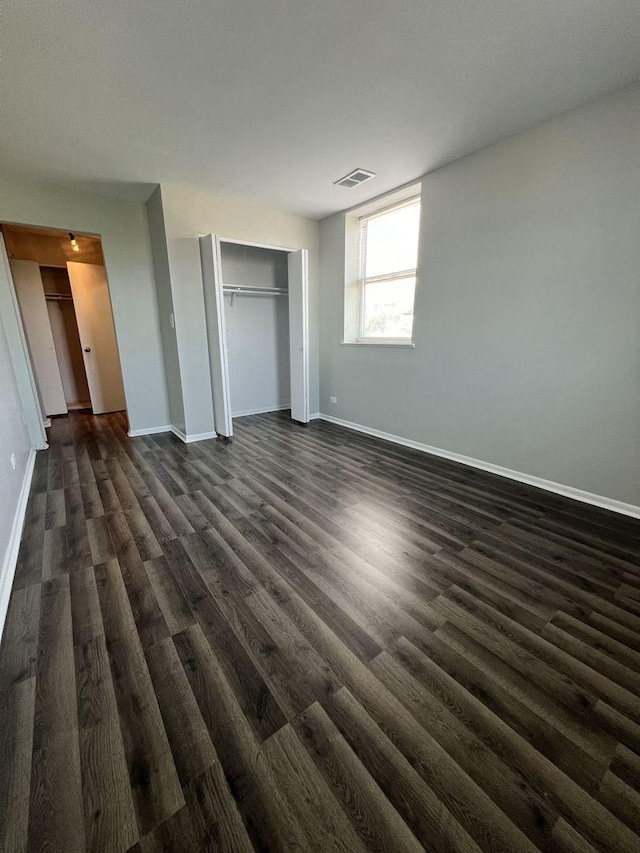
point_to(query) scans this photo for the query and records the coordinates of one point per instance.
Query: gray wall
(124, 229)
(527, 326)
(157, 233)
(257, 329)
(14, 439)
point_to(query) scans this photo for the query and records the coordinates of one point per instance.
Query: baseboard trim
(262, 411)
(133, 433)
(188, 439)
(547, 485)
(315, 416)
(11, 554)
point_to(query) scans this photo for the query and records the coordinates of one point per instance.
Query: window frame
(398, 275)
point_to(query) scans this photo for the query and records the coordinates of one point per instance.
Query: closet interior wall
(257, 329)
(66, 338)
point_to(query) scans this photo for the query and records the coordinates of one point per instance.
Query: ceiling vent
(353, 179)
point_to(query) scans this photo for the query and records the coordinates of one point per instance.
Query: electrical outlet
(13, 461)
(333, 399)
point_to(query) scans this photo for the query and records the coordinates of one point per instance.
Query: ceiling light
(353, 179)
(74, 242)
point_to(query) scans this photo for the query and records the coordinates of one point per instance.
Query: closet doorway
(256, 310)
(62, 293)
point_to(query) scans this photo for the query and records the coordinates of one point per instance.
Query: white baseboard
(262, 411)
(188, 439)
(13, 546)
(149, 431)
(530, 480)
(315, 416)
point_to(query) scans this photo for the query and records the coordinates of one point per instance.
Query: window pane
(388, 308)
(392, 241)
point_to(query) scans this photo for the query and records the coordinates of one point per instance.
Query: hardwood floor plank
(378, 824)
(592, 820)
(54, 553)
(525, 807)
(78, 546)
(109, 814)
(85, 606)
(307, 795)
(177, 613)
(426, 816)
(55, 803)
(268, 822)
(18, 652)
(100, 543)
(16, 748)
(188, 737)
(252, 693)
(55, 515)
(214, 813)
(152, 774)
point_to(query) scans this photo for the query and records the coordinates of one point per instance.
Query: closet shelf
(234, 290)
(59, 297)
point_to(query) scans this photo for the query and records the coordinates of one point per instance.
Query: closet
(66, 314)
(256, 290)
(256, 311)
(66, 339)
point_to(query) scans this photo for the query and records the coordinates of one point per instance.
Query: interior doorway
(256, 304)
(62, 293)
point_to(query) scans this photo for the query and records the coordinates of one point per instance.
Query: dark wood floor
(308, 639)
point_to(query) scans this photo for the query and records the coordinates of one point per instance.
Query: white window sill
(396, 344)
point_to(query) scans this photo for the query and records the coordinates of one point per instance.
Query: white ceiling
(273, 100)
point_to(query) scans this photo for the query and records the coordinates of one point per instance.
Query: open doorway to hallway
(62, 292)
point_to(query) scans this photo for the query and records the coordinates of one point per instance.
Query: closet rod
(59, 297)
(234, 290)
(241, 288)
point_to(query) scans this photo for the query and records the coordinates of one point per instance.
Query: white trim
(188, 439)
(298, 270)
(390, 343)
(387, 199)
(149, 430)
(257, 245)
(46, 423)
(261, 411)
(548, 485)
(19, 355)
(10, 560)
(315, 416)
(214, 306)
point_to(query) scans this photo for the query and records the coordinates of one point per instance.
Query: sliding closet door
(35, 319)
(298, 334)
(216, 333)
(91, 300)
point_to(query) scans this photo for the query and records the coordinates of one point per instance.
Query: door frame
(212, 280)
(21, 358)
(4, 257)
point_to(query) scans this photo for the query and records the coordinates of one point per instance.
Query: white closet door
(91, 300)
(35, 318)
(299, 334)
(216, 333)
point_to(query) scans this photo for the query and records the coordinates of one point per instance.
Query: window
(388, 257)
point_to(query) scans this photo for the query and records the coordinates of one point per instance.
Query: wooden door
(91, 300)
